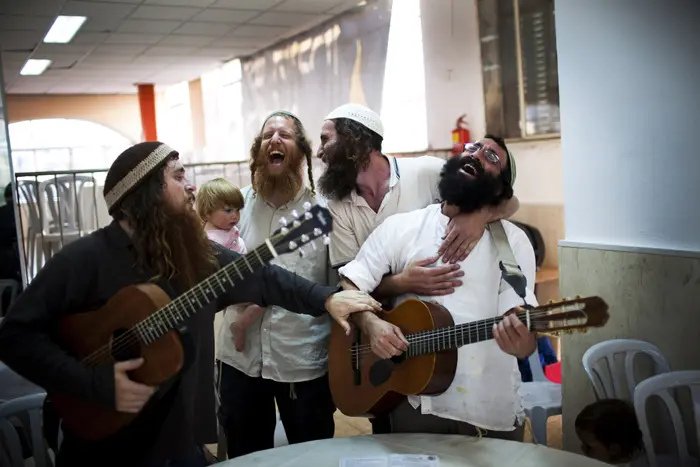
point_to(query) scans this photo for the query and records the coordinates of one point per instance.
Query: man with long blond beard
(155, 237)
(285, 355)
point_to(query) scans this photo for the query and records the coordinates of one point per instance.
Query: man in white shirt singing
(484, 393)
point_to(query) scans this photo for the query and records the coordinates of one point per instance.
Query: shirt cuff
(324, 293)
(359, 276)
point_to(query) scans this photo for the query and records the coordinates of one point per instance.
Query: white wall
(454, 86)
(629, 72)
(452, 55)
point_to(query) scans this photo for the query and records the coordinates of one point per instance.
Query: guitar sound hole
(124, 345)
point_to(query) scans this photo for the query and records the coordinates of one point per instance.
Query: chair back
(661, 386)
(6, 285)
(27, 408)
(601, 365)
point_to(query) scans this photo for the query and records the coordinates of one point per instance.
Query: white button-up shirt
(484, 391)
(413, 184)
(282, 346)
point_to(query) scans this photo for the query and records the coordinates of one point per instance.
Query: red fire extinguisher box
(460, 135)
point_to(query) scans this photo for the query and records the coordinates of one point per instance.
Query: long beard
(188, 254)
(469, 194)
(287, 183)
(340, 176)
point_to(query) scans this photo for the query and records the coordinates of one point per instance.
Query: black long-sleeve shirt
(82, 277)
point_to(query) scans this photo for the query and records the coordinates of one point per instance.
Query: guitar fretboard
(183, 307)
(453, 337)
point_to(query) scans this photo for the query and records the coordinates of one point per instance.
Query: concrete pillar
(147, 106)
(630, 115)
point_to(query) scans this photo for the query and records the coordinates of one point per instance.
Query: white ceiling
(124, 42)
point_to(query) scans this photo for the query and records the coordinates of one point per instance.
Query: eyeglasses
(491, 156)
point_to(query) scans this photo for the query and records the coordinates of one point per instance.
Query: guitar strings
(133, 338)
(432, 335)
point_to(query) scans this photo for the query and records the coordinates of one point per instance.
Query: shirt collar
(394, 173)
(117, 235)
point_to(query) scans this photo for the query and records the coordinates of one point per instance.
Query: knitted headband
(132, 167)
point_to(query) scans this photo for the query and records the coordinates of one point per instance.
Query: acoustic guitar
(141, 320)
(362, 384)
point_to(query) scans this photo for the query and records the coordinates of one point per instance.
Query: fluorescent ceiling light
(63, 29)
(34, 67)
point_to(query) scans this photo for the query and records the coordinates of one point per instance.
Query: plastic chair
(660, 386)
(13, 287)
(541, 399)
(610, 387)
(28, 407)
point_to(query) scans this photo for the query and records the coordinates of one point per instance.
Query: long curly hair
(346, 157)
(170, 243)
(302, 141)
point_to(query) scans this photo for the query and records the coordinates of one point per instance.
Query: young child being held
(609, 431)
(218, 205)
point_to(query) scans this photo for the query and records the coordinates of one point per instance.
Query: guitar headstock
(306, 228)
(569, 315)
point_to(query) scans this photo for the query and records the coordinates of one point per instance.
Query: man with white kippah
(364, 187)
(484, 391)
(155, 237)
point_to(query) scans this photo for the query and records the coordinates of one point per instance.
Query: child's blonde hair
(217, 194)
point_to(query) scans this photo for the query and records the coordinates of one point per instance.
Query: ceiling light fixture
(34, 67)
(63, 29)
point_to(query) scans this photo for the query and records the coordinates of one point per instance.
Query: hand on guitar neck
(513, 337)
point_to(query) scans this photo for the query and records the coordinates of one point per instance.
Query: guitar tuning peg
(292, 246)
(308, 215)
(578, 297)
(296, 223)
(326, 240)
(284, 230)
(304, 238)
(317, 232)
(295, 214)
(306, 206)
(550, 302)
(283, 221)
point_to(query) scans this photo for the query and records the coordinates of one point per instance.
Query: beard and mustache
(470, 194)
(171, 244)
(342, 168)
(288, 181)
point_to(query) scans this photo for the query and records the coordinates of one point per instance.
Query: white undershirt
(484, 392)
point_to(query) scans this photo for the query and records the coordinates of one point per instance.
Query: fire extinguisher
(460, 135)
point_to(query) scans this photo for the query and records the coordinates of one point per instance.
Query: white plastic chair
(29, 408)
(541, 399)
(11, 285)
(660, 386)
(606, 381)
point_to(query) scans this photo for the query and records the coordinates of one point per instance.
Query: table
(453, 451)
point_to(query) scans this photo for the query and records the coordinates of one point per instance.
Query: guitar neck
(186, 305)
(453, 337)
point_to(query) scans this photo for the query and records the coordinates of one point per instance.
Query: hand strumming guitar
(130, 396)
(386, 339)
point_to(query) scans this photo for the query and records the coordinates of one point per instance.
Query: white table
(453, 451)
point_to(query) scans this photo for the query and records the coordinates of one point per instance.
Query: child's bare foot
(238, 337)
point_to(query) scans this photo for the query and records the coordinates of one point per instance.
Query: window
(222, 94)
(175, 119)
(519, 58)
(58, 144)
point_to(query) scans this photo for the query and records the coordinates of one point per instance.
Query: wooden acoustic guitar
(141, 320)
(362, 384)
